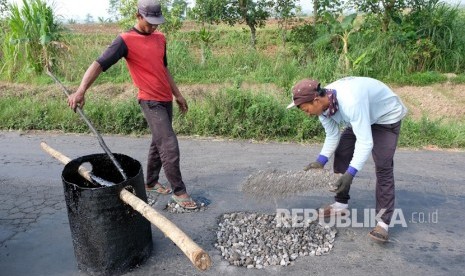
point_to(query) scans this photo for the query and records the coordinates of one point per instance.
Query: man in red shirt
(144, 49)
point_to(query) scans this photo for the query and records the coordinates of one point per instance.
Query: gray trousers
(385, 139)
(164, 148)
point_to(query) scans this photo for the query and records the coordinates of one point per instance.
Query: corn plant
(339, 31)
(33, 36)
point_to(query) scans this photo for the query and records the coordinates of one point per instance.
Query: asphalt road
(35, 237)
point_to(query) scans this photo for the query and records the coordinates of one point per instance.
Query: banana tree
(347, 28)
(339, 31)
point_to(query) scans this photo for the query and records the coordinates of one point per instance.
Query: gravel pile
(256, 241)
(267, 184)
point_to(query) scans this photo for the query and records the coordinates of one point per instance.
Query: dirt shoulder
(437, 101)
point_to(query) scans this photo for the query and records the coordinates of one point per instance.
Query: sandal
(158, 188)
(186, 203)
(379, 234)
(328, 211)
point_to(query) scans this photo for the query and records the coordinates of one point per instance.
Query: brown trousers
(164, 148)
(385, 139)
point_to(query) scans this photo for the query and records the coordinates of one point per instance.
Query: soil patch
(438, 101)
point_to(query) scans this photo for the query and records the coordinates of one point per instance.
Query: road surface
(35, 237)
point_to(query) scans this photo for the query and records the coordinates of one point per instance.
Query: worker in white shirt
(371, 115)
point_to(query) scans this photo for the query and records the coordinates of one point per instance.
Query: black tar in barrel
(109, 237)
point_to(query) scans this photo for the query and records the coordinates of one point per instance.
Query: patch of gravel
(267, 184)
(256, 240)
(151, 198)
(173, 207)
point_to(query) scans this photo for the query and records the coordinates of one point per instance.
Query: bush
(247, 115)
(419, 79)
(427, 132)
(459, 79)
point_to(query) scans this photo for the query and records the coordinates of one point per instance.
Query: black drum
(109, 237)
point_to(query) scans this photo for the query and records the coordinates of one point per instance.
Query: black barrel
(109, 237)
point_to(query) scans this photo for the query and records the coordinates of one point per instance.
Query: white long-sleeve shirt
(362, 102)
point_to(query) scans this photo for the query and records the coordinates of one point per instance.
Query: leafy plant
(209, 11)
(252, 13)
(343, 30)
(33, 38)
(385, 10)
(304, 33)
(245, 114)
(173, 17)
(206, 38)
(104, 20)
(325, 8)
(285, 11)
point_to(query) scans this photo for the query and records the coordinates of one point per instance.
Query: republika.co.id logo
(349, 218)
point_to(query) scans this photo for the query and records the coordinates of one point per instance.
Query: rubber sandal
(158, 188)
(379, 234)
(328, 211)
(184, 202)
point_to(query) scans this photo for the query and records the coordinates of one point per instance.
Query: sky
(79, 9)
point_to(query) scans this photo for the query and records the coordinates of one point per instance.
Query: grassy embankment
(239, 92)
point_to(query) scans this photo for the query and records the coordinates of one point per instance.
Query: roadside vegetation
(411, 43)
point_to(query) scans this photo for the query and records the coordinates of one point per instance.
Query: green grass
(426, 41)
(36, 113)
(32, 39)
(419, 79)
(459, 79)
(398, 57)
(232, 60)
(231, 113)
(243, 114)
(427, 132)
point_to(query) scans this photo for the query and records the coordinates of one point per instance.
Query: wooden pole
(199, 258)
(196, 255)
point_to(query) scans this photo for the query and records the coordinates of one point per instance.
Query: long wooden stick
(196, 255)
(65, 160)
(199, 258)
